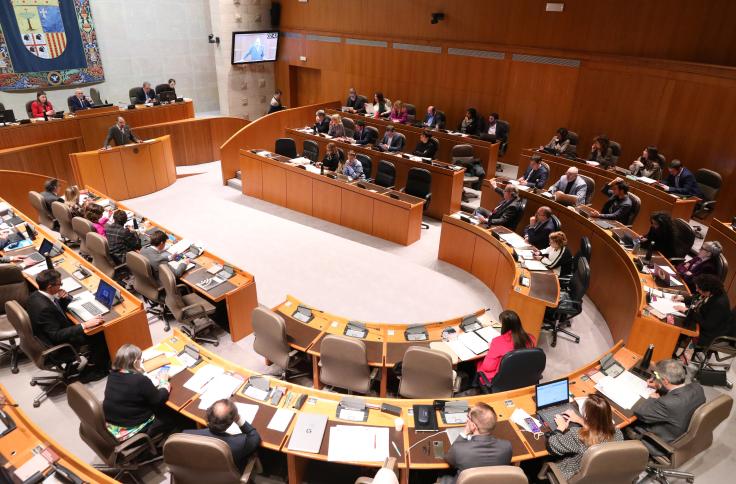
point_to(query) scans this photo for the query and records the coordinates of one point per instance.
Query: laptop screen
(552, 393)
(105, 294)
(45, 248)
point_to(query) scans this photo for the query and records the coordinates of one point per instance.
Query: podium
(128, 171)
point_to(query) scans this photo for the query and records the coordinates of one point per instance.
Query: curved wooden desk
(478, 251)
(17, 446)
(652, 198)
(128, 171)
(724, 233)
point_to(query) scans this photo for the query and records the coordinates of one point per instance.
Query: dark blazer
(434, 121)
(365, 136)
(615, 208)
(124, 137)
(713, 316)
(427, 150)
(537, 178)
(333, 162)
(75, 104)
(396, 143)
(49, 198)
(665, 245)
(538, 235)
(669, 415)
(480, 451)
(683, 184)
(502, 132)
(506, 213)
(143, 98)
(358, 104)
(51, 325)
(131, 398)
(606, 160)
(242, 446)
(322, 126)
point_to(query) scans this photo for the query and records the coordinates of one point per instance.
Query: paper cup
(399, 424)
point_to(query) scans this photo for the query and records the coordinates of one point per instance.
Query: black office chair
(310, 150)
(162, 88)
(556, 222)
(714, 362)
(440, 115)
(29, 111)
(590, 188)
(573, 137)
(2, 107)
(514, 224)
(615, 151)
(709, 183)
(504, 142)
(385, 174)
(134, 93)
(684, 240)
(518, 369)
(462, 155)
(286, 147)
(584, 252)
(419, 184)
(571, 304)
(366, 162)
(349, 126)
(95, 95)
(373, 130)
(722, 268)
(635, 208)
(69, 103)
(411, 111)
(401, 137)
(436, 144)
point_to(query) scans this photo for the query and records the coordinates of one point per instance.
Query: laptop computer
(309, 430)
(88, 307)
(553, 398)
(369, 109)
(40, 256)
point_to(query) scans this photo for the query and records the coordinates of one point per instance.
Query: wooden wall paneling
(22, 135)
(49, 158)
(486, 260)
(452, 237)
(113, 173)
(251, 174)
(15, 185)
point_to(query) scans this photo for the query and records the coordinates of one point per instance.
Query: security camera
(437, 16)
(213, 40)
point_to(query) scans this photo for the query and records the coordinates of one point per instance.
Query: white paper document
(488, 333)
(646, 180)
(665, 306)
(462, 351)
(179, 247)
(473, 342)
(514, 240)
(256, 393)
(221, 386)
(622, 391)
(525, 253)
(247, 410)
(199, 381)
(35, 269)
(350, 443)
(280, 420)
(535, 265)
(519, 416)
(351, 415)
(68, 284)
(453, 433)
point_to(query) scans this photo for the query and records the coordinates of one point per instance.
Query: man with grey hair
(146, 94)
(121, 134)
(570, 184)
(79, 101)
(667, 412)
(507, 213)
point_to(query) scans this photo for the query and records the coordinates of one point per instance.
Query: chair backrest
(269, 329)
(366, 162)
(503, 122)
(69, 102)
(92, 427)
(143, 280)
(38, 203)
(441, 118)
(373, 130)
(29, 111)
(341, 154)
(484, 475)
(82, 227)
(721, 267)
(684, 238)
(612, 463)
(2, 107)
(95, 95)
(286, 147)
(162, 87)
(426, 373)
(174, 301)
(411, 111)
(310, 150)
(590, 188)
(13, 286)
(635, 208)
(100, 252)
(349, 126)
(699, 435)
(61, 212)
(21, 322)
(419, 183)
(573, 137)
(403, 140)
(134, 92)
(580, 280)
(615, 149)
(344, 363)
(586, 249)
(514, 224)
(518, 369)
(462, 152)
(556, 222)
(194, 459)
(385, 174)
(709, 182)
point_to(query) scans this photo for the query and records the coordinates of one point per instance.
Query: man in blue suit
(79, 101)
(681, 181)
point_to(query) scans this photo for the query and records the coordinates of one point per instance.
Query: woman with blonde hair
(336, 129)
(71, 199)
(399, 113)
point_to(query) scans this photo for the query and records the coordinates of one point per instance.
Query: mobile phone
(438, 449)
(532, 425)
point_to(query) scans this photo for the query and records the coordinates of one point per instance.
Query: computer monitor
(46, 247)
(106, 294)
(7, 116)
(250, 47)
(552, 393)
(167, 96)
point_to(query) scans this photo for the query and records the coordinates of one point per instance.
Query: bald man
(570, 184)
(79, 101)
(121, 134)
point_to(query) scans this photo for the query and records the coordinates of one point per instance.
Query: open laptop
(87, 307)
(40, 256)
(553, 398)
(369, 109)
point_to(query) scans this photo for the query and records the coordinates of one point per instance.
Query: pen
(396, 448)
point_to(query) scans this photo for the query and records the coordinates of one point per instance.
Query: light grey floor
(337, 270)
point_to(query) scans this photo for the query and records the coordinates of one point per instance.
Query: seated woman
(398, 113)
(661, 234)
(426, 147)
(381, 105)
(703, 263)
(332, 157)
(42, 107)
(353, 168)
(336, 129)
(513, 337)
(709, 308)
(132, 402)
(557, 257)
(71, 199)
(575, 434)
(602, 152)
(470, 123)
(648, 164)
(95, 214)
(559, 143)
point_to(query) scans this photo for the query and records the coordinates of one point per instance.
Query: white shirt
(552, 257)
(492, 129)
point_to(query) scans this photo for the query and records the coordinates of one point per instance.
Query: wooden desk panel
(357, 211)
(49, 158)
(722, 232)
(274, 184)
(299, 192)
(34, 133)
(326, 202)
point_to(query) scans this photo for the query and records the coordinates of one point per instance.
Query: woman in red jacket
(41, 105)
(513, 337)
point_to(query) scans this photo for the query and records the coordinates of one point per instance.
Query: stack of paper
(245, 410)
(647, 180)
(665, 306)
(462, 351)
(219, 387)
(199, 381)
(514, 240)
(488, 333)
(623, 390)
(353, 443)
(473, 342)
(535, 265)
(525, 254)
(179, 247)
(280, 420)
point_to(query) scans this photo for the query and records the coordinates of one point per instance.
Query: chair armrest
(60, 347)
(138, 440)
(183, 289)
(374, 373)
(708, 206)
(552, 473)
(252, 465)
(194, 311)
(658, 442)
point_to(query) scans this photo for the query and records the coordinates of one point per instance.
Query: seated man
(506, 213)
(321, 122)
(47, 311)
(156, 255)
(536, 174)
(667, 412)
(147, 95)
(5, 240)
(79, 101)
(619, 205)
(121, 134)
(681, 181)
(120, 239)
(353, 168)
(355, 103)
(496, 131)
(539, 228)
(570, 184)
(391, 140)
(480, 448)
(220, 416)
(363, 136)
(50, 193)
(426, 147)
(433, 119)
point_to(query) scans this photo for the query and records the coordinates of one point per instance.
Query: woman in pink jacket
(513, 337)
(95, 214)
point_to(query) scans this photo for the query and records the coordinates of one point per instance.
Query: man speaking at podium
(121, 134)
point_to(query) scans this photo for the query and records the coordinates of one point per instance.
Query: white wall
(143, 40)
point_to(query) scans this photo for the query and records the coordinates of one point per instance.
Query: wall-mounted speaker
(275, 14)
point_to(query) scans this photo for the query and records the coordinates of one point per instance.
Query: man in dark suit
(536, 174)
(480, 448)
(157, 255)
(220, 416)
(427, 146)
(79, 101)
(147, 95)
(496, 131)
(681, 181)
(321, 123)
(433, 119)
(506, 213)
(619, 205)
(121, 134)
(47, 311)
(50, 193)
(355, 102)
(392, 141)
(667, 412)
(362, 135)
(539, 228)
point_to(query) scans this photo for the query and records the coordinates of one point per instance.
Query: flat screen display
(252, 47)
